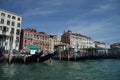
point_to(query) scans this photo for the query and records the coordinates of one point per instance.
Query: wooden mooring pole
(59, 55)
(10, 58)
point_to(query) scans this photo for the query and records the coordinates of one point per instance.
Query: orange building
(30, 37)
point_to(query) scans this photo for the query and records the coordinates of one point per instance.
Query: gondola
(38, 57)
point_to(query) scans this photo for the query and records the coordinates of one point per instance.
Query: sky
(98, 19)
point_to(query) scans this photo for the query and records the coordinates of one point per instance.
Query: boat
(39, 57)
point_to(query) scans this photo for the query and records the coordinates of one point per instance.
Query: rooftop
(10, 12)
(69, 32)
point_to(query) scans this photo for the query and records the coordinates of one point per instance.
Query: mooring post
(68, 56)
(9, 58)
(50, 59)
(38, 59)
(60, 56)
(24, 58)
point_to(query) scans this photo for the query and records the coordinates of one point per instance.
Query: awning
(34, 47)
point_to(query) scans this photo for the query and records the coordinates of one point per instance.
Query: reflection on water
(108, 69)
(8, 70)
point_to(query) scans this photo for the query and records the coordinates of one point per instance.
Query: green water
(103, 69)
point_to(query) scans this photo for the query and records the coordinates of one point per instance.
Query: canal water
(102, 69)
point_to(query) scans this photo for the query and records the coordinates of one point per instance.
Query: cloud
(103, 8)
(52, 2)
(89, 27)
(107, 6)
(99, 22)
(39, 12)
(105, 29)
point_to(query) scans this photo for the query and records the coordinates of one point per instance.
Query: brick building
(32, 37)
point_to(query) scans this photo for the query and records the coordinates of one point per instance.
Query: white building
(103, 45)
(99, 44)
(77, 41)
(10, 27)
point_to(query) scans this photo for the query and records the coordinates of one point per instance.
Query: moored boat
(38, 57)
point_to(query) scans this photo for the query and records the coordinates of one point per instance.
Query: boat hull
(38, 58)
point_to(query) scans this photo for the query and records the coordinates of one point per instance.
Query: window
(8, 22)
(16, 45)
(0, 27)
(5, 43)
(18, 19)
(41, 37)
(26, 35)
(2, 21)
(35, 36)
(13, 23)
(2, 14)
(13, 17)
(18, 32)
(12, 30)
(5, 29)
(9, 16)
(30, 35)
(17, 39)
(18, 24)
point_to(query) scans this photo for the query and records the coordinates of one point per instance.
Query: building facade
(77, 41)
(31, 37)
(53, 40)
(10, 28)
(115, 45)
(99, 44)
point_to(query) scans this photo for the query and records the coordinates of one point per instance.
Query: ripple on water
(103, 69)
